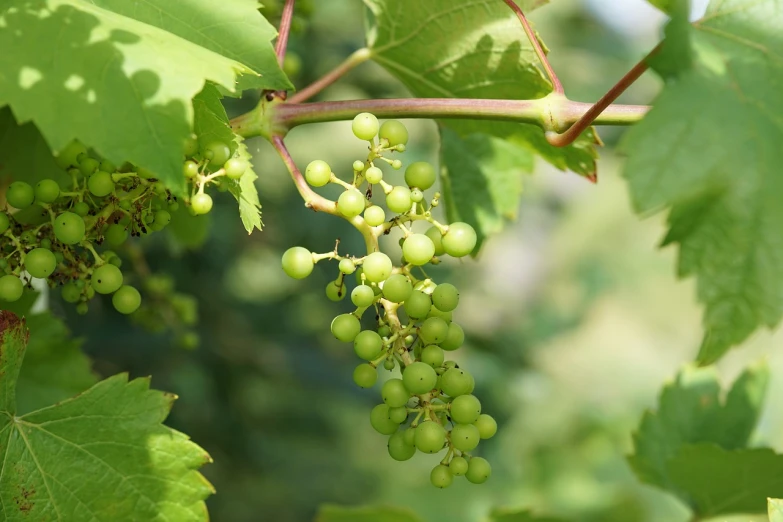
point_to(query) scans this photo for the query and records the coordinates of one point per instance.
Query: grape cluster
(60, 233)
(430, 406)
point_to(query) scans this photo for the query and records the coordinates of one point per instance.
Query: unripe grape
(368, 345)
(420, 175)
(373, 175)
(162, 218)
(145, 173)
(365, 376)
(432, 355)
(365, 126)
(351, 203)
(437, 239)
(377, 267)
(399, 199)
(380, 421)
(347, 266)
(417, 196)
(362, 296)
(88, 166)
(69, 228)
(217, 153)
(201, 203)
(418, 250)
(384, 331)
(487, 426)
(396, 164)
(11, 288)
(69, 155)
(479, 470)
(389, 364)
(40, 263)
(20, 194)
(419, 378)
(71, 293)
(409, 436)
(107, 166)
(47, 191)
(345, 327)
(433, 330)
(445, 297)
(82, 308)
(456, 382)
(430, 437)
(335, 291)
(190, 169)
(465, 437)
(298, 262)
(441, 476)
(126, 300)
(106, 279)
(235, 168)
(394, 132)
(418, 305)
(374, 216)
(394, 393)
(465, 409)
(358, 165)
(5, 222)
(398, 415)
(318, 173)
(454, 338)
(399, 449)
(397, 288)
(459, 240)
(458, 466)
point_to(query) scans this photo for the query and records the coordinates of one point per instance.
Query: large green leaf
(121, 86)
(245, 192)
(331, 513)
(25, 155)
(102, 455)
(775, 510)
(233, 28)
(710, 152)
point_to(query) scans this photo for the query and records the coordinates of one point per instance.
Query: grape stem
(356, 58)
(285, 29)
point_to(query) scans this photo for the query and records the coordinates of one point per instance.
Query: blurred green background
(574, 319)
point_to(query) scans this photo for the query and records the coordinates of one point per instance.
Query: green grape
(430, 437)
(396, 164)
(398, 415)
(417, 196)
(47, 191)
(5, 222)
(445, 297)
(40, 263)
(394, 393)
(374, 215)
(465, 437)
(399, 449)
(409, 436)
(318, 173)
(397, 288)
(459, 240)
(418, 250)
(446, 316)
(145, 173)
(458, 466)
(190, 147)
(100, 184)
(345, 327)
(420, 175)
(399, 199)
(418, 305)
(365, 126)
(82, 308)
(433, 330)
(298, 262)
(162, 218)
(351, 203)
(362, 296)
(173, 206)
(437, 239)
(479, 470)
(106, 279)
(377, 267)
(126, 300)
(389, 364)
(88, 166)
(347, 266)
(486, 425)
(11, 288)
(125, 205)
(373, 175)
(368, 345)
(365, 376)
(456, 382)
(394, 132)
(432, 355)
(190, 169)
(69, 228)
(20, 194)
(69, 155)
(358, 165)
(71, 293)
(116, 261)
(454, 338)
(419, 378)
(441, 477)
(217, 153)
(465, 409)
(28, 237)
(235, 168)
(107, 166)
(336, 290)
(45, 243)
(380, 421)
(201, 203)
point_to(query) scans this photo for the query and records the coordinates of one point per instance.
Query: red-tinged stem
(285, 28)
(356, 58)
(557, 87)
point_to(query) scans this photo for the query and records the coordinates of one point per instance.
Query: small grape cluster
(414, 327)
(56, 232)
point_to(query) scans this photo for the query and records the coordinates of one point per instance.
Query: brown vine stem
(557, 87)
(285, 28)
(356, 58)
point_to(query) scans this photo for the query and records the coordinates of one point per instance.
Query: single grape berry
(20, 194)
(456, 382)
(100, 184)
(318, 173)
(47, 191)
(454, 338)
(5, 222)
(479, 470)
(40, 263)
(69, 155)
(394, 393)
(358, 165)
(418, 305)
(69, 228)
(362, 296)
(430, 436)
(374, 216)
(89, 165)
(190, 169)
(419, 378)
(346, 327)
(437, 239)
(161, 218)
(201, 203)
(399, 199)
(389, 364)
(373, 175)
(441, 477)
(433, 330)
(71, 293)
(398, 415)
(458, 466)
(335, 291)
(368, 345)
(465, 409)
(396, 164)
(393, 132)
(235, 168)
(126, 300)
(351, 203)
(417, 196)
(365, 376)
(418, 250)
(380, 421)
(397, 288)
(106, 279)
(217, 153)
(445, 297)
(398, 448)
(420, 175)
(459, 240)
(365, 126)
(298, 262)
(465, 437)
(487, 426)
(107, 166)
(446, 316)
(377, 267)
(432, 355)
(11, 288)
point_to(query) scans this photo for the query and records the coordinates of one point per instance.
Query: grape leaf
(210, 120)
(690, 412)
(775, 509)
(481, 179)
(101, 455)
(331, 513)
(235, 29)
(715, 481)
(121, 86)
(502, 515)
(24, 155)
(710, 152)
(470, 49)
(246, 194)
